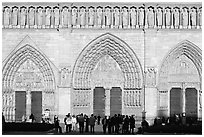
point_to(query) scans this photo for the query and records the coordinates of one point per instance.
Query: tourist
(92, 121)
(57, 127)
(126, 124)
(68, 122)
(98, 119)
(74, 123)
(109, 125)
(86, 118)
(32, 118)
(104, 123)
(81, 123)
(132, 124)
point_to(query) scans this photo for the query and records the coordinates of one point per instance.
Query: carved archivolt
(108, 45)
(26, 69)
(102, 16)
(190, 52)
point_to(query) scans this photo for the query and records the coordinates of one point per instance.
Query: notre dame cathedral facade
(102, 58)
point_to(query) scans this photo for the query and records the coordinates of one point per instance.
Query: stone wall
(63, 44)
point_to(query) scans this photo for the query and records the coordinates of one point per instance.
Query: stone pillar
(180, 19)
(27, 17)
(28, 103)
(107, 101)
(137, 18)
(155, 17)
(35, 17)
(183, 98)
(146, 13)
(163, 18)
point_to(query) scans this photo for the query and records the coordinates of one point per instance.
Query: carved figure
(125, 17)
(185, 17)
(133, 16)
(159, 17)
(150, 17)
(15, 16)
(99, 16)
(82, 16)
(56, 16)
(107, 17)
(167, 17)
(40, 16)
(193, 17)
(47, 16)
(141, 17)
(176, 17)
(6, 16)
(65, 16)
(91, 17)
(23, 17)
(74, 16)
(116, 17)
(31, 16)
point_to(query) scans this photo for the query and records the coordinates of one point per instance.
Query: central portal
(107, 81)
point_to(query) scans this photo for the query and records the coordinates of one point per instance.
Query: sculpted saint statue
(141, 17)
(65, 16)
(116, 15)
(48, 16)
(56, 16)
(185, 17)
(133, 16)
(99, 16)
(107, 17)
(91, 16)
(200, 17)
(23, 16)
(150, 17)
(176, 17)
(168, 17)
(159, 17)
(31, 16)
(6, 16)
(40, 16)
(125, 17)
(74, 16)
(15, 16)
(193, 17)
(82, 16)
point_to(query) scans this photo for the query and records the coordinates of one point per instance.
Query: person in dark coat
(92, 121)
(57, 127)
(113, 124)
(132, 124)
(81, 123)
(126, 124)
(109, 124)
(98, 119)
(87, 123)
(104, 123)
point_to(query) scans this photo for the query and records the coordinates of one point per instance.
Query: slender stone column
(28, 103)
(183, 98)
(107, 101)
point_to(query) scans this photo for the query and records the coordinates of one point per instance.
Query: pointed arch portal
(28, 84)
(180, 79)
(106, 44)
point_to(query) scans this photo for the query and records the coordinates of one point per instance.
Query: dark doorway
(36, 105)
(115, 101)
(99, 101)
(20, 102)
(191, 102)
(175, 101)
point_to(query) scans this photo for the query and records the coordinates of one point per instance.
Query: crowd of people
(117, 124)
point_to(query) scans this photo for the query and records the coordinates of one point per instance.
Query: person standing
(74, 122)
(126, 124)
(132, 124)
(68, 123)
(104, 123)
(81, 123)
(98, 119)
(109, 125)
(92, 121)
(87, 123)
(56, 125)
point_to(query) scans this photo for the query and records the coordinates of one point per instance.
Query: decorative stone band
(128, 16)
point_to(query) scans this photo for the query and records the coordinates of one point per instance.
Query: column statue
(74, 17)
(6, 21)
(167, 18)
(150, 17)
(193, 17)
(15, 17)
(82, 17)
(185, 17)
(99, 16)
(133, 17)
(176, 17)
(40, 17)
(47, 17)
(125, 17)
(116, 17)
(56, 17)
(31, 17)
(159, 17)
(141, 17)
(65, 17)
(200, 17)
(107, 17)
(91, 17)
